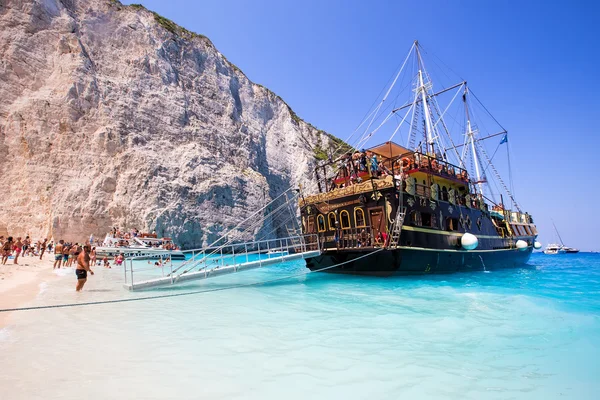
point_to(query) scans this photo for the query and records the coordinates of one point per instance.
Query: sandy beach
(19, 284)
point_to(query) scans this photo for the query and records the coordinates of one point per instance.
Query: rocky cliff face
(113, 116)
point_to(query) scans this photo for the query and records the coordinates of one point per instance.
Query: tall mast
(471, 136)
(423, 89)
(559, 238)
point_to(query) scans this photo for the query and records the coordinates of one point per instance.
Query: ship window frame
(311, 224)
(364, 220)
(452, 224)
(321, 217)
(428, 215)
(331, 228)
(342, 213)
(415, 218)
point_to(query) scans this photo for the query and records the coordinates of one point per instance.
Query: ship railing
(236, 256)
(424, 162)
(348, 238)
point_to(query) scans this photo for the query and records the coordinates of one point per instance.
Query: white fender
(537, 245)
(469, 241)
(521, 245)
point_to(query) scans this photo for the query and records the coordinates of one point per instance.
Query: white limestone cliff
(113, 116)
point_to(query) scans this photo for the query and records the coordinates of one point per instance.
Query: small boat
(144, 246)
(554, 248)
(559, 248)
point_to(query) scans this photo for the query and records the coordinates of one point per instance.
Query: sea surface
(526, 333)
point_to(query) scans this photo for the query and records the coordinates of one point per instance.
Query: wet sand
(20, 284)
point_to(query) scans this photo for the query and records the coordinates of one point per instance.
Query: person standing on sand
(58, 253)
(66, 250)
(93, 256)
(72, 255)
(43, 248)
(83, 266)
(18, 248)
(7, 249)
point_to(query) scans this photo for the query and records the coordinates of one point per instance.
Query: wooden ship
(393, 209)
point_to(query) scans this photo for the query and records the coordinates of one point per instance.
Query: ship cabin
(356, 207)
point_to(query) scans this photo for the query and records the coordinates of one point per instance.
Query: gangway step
(218, 271)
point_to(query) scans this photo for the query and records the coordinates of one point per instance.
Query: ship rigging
(430, 204)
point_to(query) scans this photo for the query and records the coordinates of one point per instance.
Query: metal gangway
(210, 262)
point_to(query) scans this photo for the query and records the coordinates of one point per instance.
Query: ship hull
(412, 261)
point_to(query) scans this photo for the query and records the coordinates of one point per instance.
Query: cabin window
(311, 224)
(451, 224)
(332, 220)
(415, 218)
(426, 219)
(321, 223)
(359, 217)
(444, 193)
(345, 219)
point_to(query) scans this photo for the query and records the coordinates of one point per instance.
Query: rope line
(163, 296)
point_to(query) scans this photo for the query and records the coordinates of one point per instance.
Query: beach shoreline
(20, 284)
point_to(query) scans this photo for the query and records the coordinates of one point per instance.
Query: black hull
(411, 261)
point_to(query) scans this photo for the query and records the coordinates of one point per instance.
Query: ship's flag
(504, 139)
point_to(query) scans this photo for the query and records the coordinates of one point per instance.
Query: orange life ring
(405, 163)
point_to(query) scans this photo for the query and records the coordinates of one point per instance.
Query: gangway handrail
(289, 248)
(254, 243)
(232, 245)
(225, 235)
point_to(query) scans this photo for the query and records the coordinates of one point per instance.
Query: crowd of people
(354, 167)
(20, 247)
(65, 254)
(123, 238)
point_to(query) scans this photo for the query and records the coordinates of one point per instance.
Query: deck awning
(389, 150)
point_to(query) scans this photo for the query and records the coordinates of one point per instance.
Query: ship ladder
(397, 227)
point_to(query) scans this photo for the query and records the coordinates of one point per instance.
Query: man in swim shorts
(83, 267)
(58, 253)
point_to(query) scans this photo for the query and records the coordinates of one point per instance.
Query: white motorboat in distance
(144, 246)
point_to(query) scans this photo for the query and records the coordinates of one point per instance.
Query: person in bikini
(18, 248)
(58, 253)
(43, 247)
(83, 267)
(7, 249)
(93, 256)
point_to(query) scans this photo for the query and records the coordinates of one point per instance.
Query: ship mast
(423, 89)
(471, 138)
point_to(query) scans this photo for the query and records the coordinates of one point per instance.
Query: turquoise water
(529, 333)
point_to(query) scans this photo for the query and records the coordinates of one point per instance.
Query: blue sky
(534, 64)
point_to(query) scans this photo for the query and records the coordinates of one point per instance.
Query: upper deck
(385, 166)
